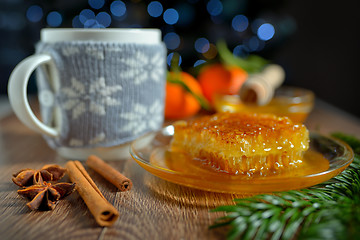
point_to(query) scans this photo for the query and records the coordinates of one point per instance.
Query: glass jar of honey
(293, 102)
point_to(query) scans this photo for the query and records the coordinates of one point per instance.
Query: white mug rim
(118, 35)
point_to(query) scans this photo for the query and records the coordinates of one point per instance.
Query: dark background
(317, 42)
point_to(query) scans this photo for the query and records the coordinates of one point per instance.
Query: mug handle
(17, 88)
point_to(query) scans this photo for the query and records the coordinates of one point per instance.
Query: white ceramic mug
(98, 89)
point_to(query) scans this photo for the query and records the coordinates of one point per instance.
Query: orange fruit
(179, 103)
(221, 79)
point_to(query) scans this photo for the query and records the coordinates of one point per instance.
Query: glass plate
(326, 158)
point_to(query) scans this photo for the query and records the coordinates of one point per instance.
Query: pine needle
(330, 210)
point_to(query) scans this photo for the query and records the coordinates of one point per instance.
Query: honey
(180, 162)
(325, 159)
(295, 103)
(243, 143)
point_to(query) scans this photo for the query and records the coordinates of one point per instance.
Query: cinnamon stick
(109, 173)
(104, 213)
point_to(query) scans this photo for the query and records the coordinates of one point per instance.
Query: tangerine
(221, 79)
(179, 102)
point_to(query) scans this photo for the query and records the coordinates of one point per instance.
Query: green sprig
(201, 100)
(330, 210)
(176, 79)
(251, 64)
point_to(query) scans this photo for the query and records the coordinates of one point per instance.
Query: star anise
(44, 196)
(27, 177)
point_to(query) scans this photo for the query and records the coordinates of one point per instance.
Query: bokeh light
(171, 16)
(172, 40)
(202, 45)
(170, 57)
(103, 18)
(199, 62)
(256, 24)
(241, 51)
(34, 13)
(266, 31)
(214, 7)
(252, 43)
(76, 23)
(54, 19)
(85, 15)
(118, 8)
(240, 23)
(92, 23)
(96, 4)
(155, 9)
(211, 52)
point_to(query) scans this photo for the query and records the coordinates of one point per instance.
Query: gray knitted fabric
(109, 93)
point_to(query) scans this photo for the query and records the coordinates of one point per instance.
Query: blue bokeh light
(169, 58)
(85, 15)
(240, 23)
(34, 13)
(241, 51)
(214, 7)
(172, 40)
(199, 62)
(92, 23)
(76, 23)
(252, 44)
(96, 4)
(155, 9)
(171, 16)
(202, 45)
(266, 31)
(54, 19)
(256, 24)
(118, 8)
(103, 18)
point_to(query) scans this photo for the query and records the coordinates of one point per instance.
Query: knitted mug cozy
(106, 93)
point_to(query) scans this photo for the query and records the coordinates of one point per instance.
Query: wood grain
(153, 209)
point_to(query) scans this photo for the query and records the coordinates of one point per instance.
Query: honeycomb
(239, 143)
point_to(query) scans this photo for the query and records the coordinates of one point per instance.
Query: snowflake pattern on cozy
(95, 52)
(98, 94)
(144, 67)
(142, 117)
(70, 50)
(110, 93)
(79, 142)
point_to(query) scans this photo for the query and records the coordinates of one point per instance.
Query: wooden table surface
(153, 209)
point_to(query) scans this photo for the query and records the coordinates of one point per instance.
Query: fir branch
(329, 210)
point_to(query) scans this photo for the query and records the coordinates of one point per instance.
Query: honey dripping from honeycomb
(240, 143)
